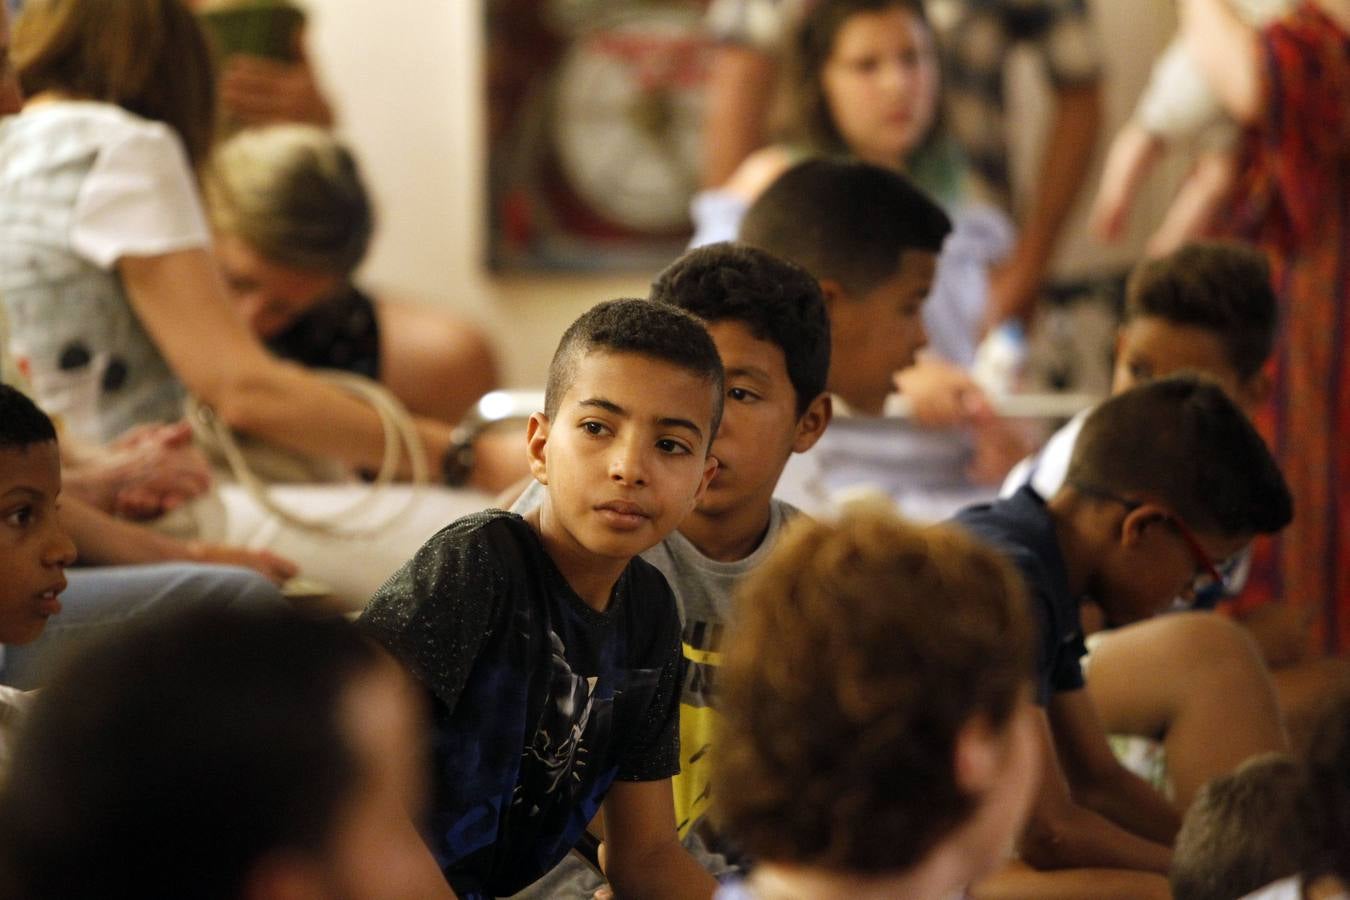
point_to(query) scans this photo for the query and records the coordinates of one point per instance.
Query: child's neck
(1080, 541)
(591, 577)
(730, 536)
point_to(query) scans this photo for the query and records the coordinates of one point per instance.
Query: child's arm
(644, 857)
(1226, 49)
(104, 540)
(1017, 881)
(1201, 195)
(1133, 151)
(1098, 780)
(1064, 834)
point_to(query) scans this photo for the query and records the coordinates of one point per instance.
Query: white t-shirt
(83, 185)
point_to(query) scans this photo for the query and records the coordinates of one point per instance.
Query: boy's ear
(834, 294)
(536, 441)
(812, 423)
(977, 757)
(1137, 521)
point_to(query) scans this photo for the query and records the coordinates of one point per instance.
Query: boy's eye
(18, 518)
(741, 395)
(1140, 371)
(671, 446)
(593, 428)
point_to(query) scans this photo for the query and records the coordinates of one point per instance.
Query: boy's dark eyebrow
(21, 490)
(752, 371)
(666, 421)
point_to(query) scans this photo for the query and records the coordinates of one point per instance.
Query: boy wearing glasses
(1165, 480)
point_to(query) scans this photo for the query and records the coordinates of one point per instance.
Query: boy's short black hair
(845, 220)
(1219, 286)
(1182, 442)
(778, 301)
(22, 424)
(1243, 831)
(172, 757)
(655, 330)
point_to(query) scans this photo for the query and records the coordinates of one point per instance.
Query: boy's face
(1149, 347)
(760, 427)
(876, 335)
(626, 456)
(34, 549)
(1157, 558)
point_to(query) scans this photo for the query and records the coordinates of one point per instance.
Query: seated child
(222, 755)
(1242, 832)
(879, 738)
(551, 655)
(1165, 478)
(1324, 810)
(768, 321)
(34, 548)
(292, 221)
(1209, 308)
(871, 238)
(1178, 105)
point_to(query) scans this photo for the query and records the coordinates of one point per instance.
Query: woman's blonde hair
(294, 194)
(147, 56)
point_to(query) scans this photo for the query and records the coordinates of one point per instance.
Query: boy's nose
(60, 549)
(628, 464)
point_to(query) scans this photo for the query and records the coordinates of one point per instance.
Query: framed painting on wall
(594, 109)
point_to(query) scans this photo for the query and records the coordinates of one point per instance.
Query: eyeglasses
(1207, 571)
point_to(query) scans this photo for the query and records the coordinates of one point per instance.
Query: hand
(998, 447)
(144, 473)
(942, 394)
(277, 569)
(1014, 287)
(256, 91)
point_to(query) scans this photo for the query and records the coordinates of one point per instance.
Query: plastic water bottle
(1001, 359)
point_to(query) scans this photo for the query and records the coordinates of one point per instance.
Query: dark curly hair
(859, 651)
(778, 301)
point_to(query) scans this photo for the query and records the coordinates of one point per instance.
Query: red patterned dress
(1293, 201)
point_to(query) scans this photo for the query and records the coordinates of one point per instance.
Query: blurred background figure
(304, 756)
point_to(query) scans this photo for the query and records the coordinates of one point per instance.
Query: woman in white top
(115, 304)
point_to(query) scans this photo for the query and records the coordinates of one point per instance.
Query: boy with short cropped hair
(767, 318)
(34, 548)
(879, 737)
(1166, 479)
(551, 654)
(1207, 307)
(871, 239)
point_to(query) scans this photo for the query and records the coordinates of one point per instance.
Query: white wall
(406, 78)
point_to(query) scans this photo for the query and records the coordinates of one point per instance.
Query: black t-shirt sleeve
(435, 612)
(653, 753)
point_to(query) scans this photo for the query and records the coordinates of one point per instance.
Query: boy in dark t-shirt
(551, 653)
(1167, 480)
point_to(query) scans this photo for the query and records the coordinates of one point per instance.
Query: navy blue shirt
(1020, 527)
(540, 701)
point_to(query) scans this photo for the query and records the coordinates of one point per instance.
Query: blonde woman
(292, 221)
